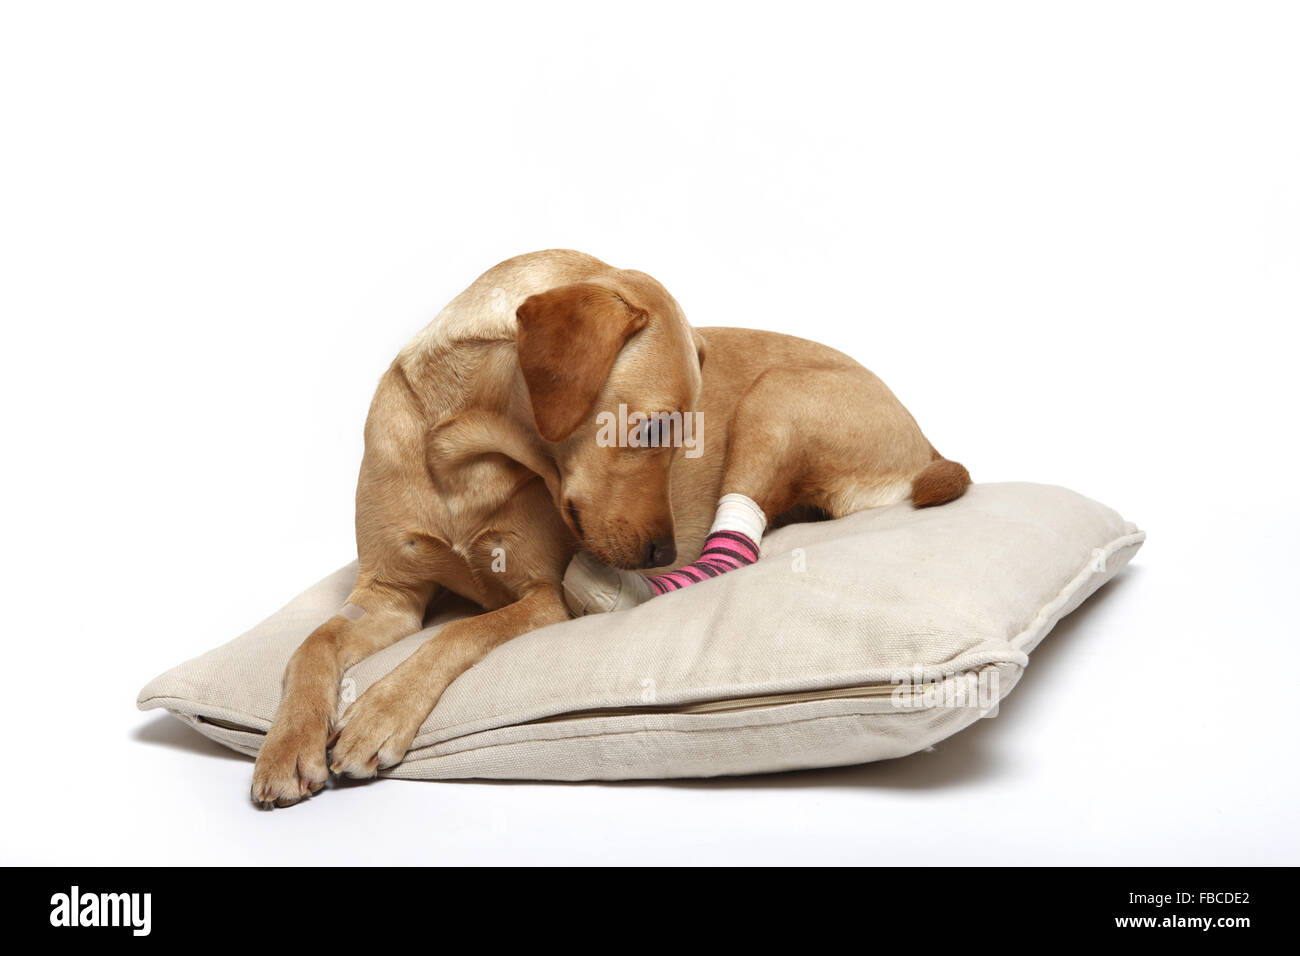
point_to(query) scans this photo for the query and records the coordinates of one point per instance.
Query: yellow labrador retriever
(483, 475)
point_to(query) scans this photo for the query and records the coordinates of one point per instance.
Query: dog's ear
(568, 340)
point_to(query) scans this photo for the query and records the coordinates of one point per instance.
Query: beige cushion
(854, 640)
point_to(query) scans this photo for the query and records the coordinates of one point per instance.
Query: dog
(480, 443)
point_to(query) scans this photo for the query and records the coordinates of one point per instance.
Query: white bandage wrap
(351, 612)
(741, 514)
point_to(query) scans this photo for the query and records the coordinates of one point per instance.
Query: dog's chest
(473, 524)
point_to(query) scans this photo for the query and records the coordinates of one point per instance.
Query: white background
(1066, 235)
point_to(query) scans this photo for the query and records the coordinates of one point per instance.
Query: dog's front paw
(375, 733)
(291, 764)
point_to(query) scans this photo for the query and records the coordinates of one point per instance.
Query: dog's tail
(939, 482)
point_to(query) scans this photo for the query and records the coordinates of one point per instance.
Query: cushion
(868, 637)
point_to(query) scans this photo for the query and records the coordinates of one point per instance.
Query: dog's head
(612, 370)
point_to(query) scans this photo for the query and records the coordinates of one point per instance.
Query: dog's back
(486, 309)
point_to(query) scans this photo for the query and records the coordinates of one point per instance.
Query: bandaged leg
(591, 587)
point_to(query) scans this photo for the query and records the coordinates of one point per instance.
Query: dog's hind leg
(291, 763)
(835, 438)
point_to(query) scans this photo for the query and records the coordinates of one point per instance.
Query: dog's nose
(658, 554)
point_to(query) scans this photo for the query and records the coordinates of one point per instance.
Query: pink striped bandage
(723, 551)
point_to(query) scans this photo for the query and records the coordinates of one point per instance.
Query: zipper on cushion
(731, 705)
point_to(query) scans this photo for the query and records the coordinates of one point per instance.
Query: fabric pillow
(854, 640)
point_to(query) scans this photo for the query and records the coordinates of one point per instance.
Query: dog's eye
(653, 431)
